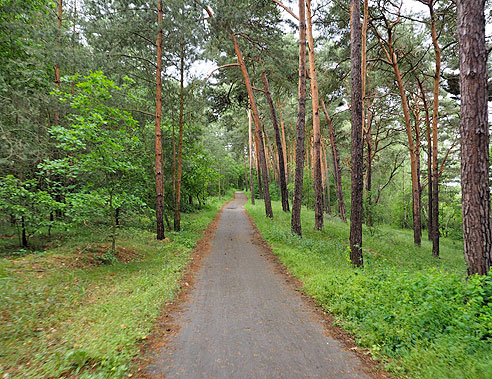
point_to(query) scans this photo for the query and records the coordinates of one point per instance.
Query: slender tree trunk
(57, 65)
(392, 59)
(435, 119)
(364, 61)
(24, 233)
(280, 149)
(74, 25)
(301, 123)
(250, 147)
(258, 170)
(474, 127)
(430, 227)
(284, 145)
(337, 170)
(159, 182)
(256, 118)
(368, 183)
(357, 145)
(177, 212)
(327, 180)
(317, 180)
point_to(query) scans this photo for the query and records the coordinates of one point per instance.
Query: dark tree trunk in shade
(301, 123)
(281, 163)
(357, 145)
(477, 230)
(159, 182)
(257, 121)
(337, 170)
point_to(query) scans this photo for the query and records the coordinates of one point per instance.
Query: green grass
(59, 318)
(416, 314)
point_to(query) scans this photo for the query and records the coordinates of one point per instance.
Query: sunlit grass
(417, 314)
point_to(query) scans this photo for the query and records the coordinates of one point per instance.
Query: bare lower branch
(286, 9)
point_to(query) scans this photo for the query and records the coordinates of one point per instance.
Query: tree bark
(337, 170)
(159, 182)
(477, 229)
(317, 180)
(393, 61)
(368, 184)
(356, 211)
(430, 227)
(284, 145)
(280, 149)
(57, 66)
(435, 119)
(177, 208)
(250, 150)
(301, 123)
(257, 121)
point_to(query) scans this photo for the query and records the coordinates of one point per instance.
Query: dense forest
(125, 121)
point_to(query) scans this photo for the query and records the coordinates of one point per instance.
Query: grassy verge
(416, 314)
(66, 313)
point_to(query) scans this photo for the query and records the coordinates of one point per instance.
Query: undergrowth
(418, 315)
(87, 319)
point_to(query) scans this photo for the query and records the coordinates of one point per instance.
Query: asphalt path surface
(242, 320)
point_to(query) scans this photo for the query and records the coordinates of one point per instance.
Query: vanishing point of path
(242, 320)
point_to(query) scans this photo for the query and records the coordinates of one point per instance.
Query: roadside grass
(63, 315)
(418, 315)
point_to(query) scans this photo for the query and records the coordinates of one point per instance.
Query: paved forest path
(242, 320)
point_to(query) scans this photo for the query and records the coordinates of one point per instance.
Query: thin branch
(218, 68)
(138, 58)
(286, 9)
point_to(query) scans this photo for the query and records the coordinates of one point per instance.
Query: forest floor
(244, 317)
(68, 311)
(419, 316)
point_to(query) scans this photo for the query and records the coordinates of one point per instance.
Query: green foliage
(28, 207)
(101, 150)
(417, 314)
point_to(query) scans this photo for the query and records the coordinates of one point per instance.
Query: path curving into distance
(242, 320)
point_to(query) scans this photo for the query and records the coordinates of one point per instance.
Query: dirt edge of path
(369, 365)
(165, 327)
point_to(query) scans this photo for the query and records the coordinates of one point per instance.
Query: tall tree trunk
(256, 118)
(280, 148)
(177, 211)
(326, 181)
(74, 26)
(250, 151)
(392, 60)
(357, 145)
(318, 191)
(301, 123)
(435, 119)
(368, 184)
(57, 65)
(284, 145)
(430, 227)
(258, 170)
(474, 127)
(159, 182)
(364, 61)
(337, 170)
